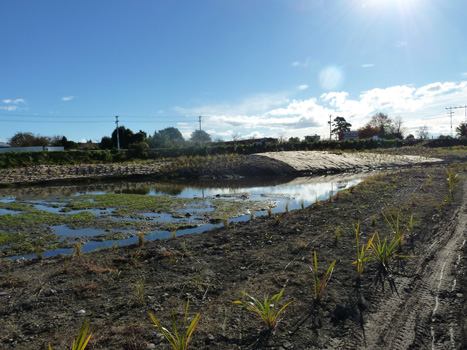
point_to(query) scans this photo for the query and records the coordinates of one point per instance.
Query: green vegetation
(362, 257)
(179, 338)
(320, 284)
(268, 310)
(81, 342)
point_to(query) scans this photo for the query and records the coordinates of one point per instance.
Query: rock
(150, 346)
(2, 294)
(81, 312)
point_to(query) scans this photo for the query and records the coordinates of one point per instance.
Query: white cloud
(400, 43)
(464, 74)
(274, 115)
(68, 98)
(303, 64)
(368, 65)
(303, 87)
(15, 101)
(12, 104)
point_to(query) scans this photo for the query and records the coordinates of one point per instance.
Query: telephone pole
(200, 141)
(118, 133)
(465, 111)
(329, 122)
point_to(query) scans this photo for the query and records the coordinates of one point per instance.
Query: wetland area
(251, 235)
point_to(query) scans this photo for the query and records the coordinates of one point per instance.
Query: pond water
(280, 194)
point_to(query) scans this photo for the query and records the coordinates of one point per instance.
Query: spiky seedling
(81, 342)
(266, 310)
(362, 254)
(320, 284)
(176, 340)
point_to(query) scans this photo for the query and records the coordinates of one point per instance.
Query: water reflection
(291, 193)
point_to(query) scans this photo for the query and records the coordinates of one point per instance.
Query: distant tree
(383, 122)
(168, 137)
(126, 137)
(235, 136)
(410, 137)
(200, 136)
(27, 139)
(294, 140)
(461, 130)
(340, 125)
(368, 131)
(62, 141)
(422, 132)
(106, 143)
(139, 149)
(398, 128)
(140, 136)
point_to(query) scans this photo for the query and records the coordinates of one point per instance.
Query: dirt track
(425, 312)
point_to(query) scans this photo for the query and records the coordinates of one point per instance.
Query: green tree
(340, 125)
(106, 143)
(168, 137)
(368, 131)
(461, 130)
(27, 139)
(125, 135)
(200, 136)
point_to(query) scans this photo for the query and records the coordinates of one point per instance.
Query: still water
(280, 193)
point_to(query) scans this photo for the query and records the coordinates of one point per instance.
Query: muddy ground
(418, 303)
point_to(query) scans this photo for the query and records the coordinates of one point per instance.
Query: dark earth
(418, 302)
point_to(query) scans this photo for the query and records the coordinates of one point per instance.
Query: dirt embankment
(317, 162)
(223, 166)
(418, 303)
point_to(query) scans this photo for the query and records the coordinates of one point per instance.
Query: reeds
(176, 340)
(320, 284)
(266, 310)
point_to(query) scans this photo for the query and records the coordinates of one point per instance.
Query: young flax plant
(81, 342)
(178, 341)
(320, 284)
(362, 256)
(266, 310)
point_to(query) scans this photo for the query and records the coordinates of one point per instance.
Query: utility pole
(200, 142)
(450, 114)
(118, 133)
(465, 111)
(329, 122)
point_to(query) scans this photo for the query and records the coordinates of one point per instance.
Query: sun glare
(404, 6)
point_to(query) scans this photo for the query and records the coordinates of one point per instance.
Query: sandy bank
(318, 161)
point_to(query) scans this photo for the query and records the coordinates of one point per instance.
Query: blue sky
(250, 68)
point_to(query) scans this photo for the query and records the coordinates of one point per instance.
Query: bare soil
(418, 304)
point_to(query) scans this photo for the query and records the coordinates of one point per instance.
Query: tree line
(380, 125)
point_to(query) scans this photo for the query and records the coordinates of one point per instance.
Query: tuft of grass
(453, 182)
(385, 251)
(337, 233)
(77, 248)
(320, 284)
(362, 257)
(140, 235)
(287, 207)
(268, 310)
(81, 342)
(269, 211)
(139, 289)
(252, 215)
(173, 230)
(176, 340)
